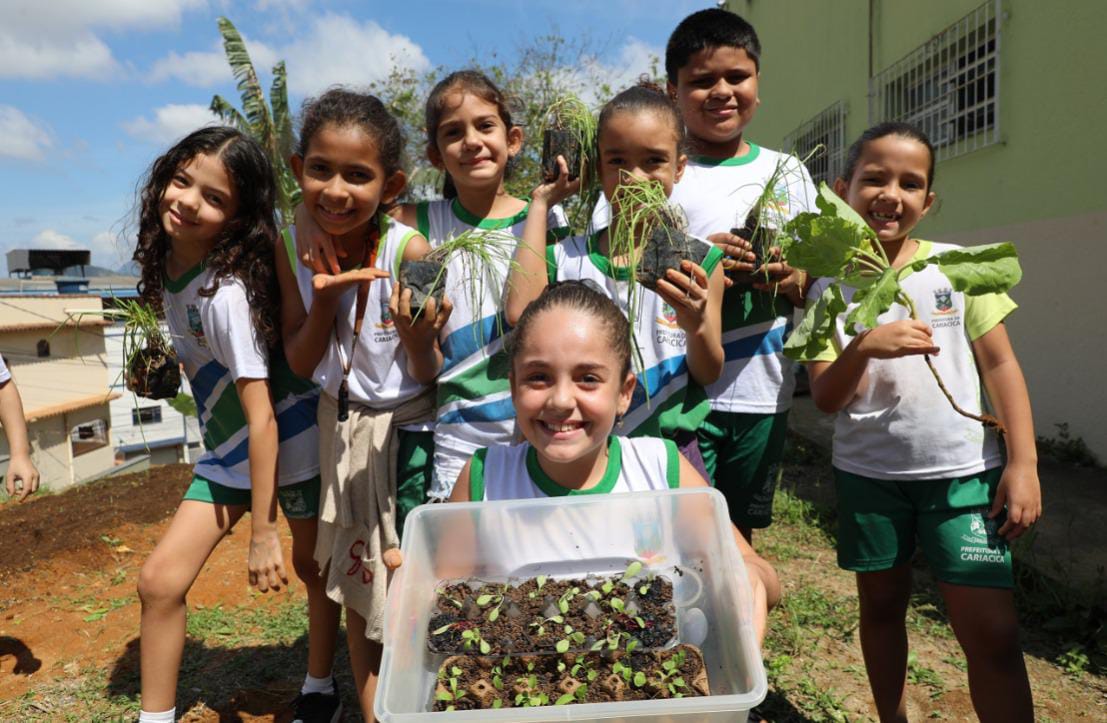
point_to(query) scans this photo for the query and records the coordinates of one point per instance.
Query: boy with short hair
(713, 62)
(20, 466)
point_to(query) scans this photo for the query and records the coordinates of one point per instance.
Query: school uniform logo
(943, 302)
(944, 314)
(982, 542)
(195, 326)
(385, 328)
(668, 317)
(386, 317)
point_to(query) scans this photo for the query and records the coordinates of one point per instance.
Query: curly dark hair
(244, 249)
(342, 108)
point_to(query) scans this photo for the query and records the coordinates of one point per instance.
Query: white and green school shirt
(379, 376)
(474, 397)
(900, 426)
(716, 195)
(216, 341)
(546, 537)
(666, 400)
(5, 375)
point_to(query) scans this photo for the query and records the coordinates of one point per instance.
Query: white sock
(318, 685)
(166, 716)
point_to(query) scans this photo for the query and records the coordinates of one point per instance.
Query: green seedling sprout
(498, 598)
(563, 601)
(836, 243)
(441, 592)
(473, 637)
(539, 582)
(453, 694)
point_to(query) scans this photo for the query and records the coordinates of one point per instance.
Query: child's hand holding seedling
(418, 329)
(554, 192)
(687, 293)
(905, 337)
(738, 254)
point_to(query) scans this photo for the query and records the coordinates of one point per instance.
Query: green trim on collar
(553, 489)
(754, 152)
(551, 264)
(463, 214)
(672, 464)
(601, 262)
(176, 286)
(476, 475)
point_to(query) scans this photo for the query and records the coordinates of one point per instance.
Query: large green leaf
(820, 245)
(831, 204)
(229, 114)
(814, 333)
(980, 269)
(282, 117)
(253, 100)
(873, 301)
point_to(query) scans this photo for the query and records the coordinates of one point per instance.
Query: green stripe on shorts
(298, 501)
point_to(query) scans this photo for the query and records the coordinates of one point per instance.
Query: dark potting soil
(477, 617)
(483, 682)
(665, 249)
(154, 373)
(760, 238)
(557, 142)
(426, 279)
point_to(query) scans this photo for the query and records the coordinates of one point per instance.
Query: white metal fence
(948, 86)
(822, 141)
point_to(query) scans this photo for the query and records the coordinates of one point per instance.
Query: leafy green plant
(837, 244)
(566, 598)
(539, 583)
(441, 592)
(452, 694)
(269, 124)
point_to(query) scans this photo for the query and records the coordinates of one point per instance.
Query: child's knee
(307, 569)
(156, 586)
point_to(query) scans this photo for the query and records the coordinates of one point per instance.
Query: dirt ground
(69, 622)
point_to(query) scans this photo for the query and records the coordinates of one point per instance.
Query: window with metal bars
(821, 140)
(949, 86)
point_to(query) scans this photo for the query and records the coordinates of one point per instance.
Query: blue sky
(92, 91)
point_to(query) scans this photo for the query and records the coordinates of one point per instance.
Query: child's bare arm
(306, 334)
(1019, 489)
(764, 583)
(20, 466)
(419, 328)
(266, 561)
(835, 384)
(528, 276)
(697, 300)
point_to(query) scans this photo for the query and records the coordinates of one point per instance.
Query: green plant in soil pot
(837, 244)
(648, 234)
(480, 251)
(569, 130)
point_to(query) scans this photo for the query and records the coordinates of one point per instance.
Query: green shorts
(742, 453)
(879, 521)
(299, 501)
(414, 469)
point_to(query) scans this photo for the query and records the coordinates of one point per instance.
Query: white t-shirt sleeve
(230, 332)
(801, 189)
(5, 375)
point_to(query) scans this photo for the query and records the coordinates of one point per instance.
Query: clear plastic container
(684, 534)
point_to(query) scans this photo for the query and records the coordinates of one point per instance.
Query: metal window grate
(822, 141)
(948, 86)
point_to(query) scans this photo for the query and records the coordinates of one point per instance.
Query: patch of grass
(821, 703)
(213, 623)
(919, 674)
(808, 614)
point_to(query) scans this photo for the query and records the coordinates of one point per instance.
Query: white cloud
(340, 50)
(333, 49)
(170, 122)
(51, 239)
(107, 250)
(635, 58)
(41, 40)
(206, 69)
(21, 137)
(264, 5)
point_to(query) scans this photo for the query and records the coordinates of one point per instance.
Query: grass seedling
(569, 130)
(837, 244)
